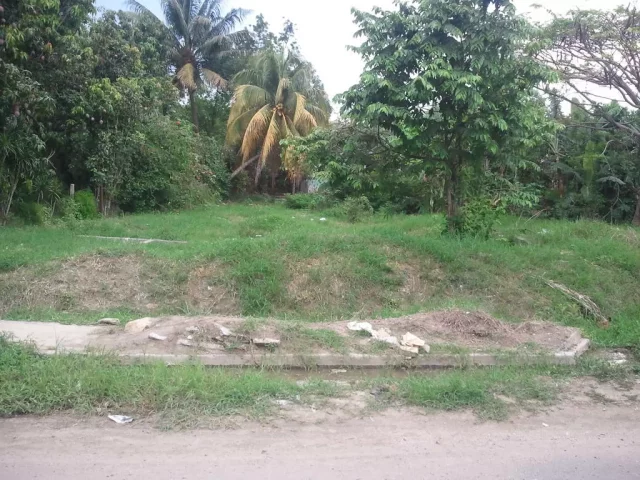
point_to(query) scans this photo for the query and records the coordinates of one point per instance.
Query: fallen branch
(243, 166)
(585, 302)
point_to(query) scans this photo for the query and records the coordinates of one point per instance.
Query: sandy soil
(574, 441)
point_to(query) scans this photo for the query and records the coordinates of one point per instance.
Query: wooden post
(72, 190)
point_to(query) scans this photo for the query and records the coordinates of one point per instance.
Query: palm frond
(173, 13)
(210, 8)
(272, 138)
(213, 79)
(320, 115)
(139, 8)
(238, 125)
(256, 132)
(186, 76)
(247, 97)
(229, 22)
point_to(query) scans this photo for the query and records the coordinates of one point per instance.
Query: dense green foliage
(452, 81)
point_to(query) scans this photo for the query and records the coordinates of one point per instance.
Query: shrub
(67, 209)
(477, 218)
(304, 201)
(31, 213)
(86, 204)
(357, 208)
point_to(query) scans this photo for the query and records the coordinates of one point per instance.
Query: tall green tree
(450, 80)
(202, 36)
(277, 96)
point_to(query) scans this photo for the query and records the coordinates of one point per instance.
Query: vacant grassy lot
(264, 260)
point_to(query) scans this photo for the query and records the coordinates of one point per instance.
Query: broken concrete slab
(410, 340)
(133, 239)
(265, 342)
(155, 336)
(51, 337)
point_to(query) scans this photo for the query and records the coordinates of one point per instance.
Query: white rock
(266, 342)
(108, 321)
(155, 336)
(410, 340)
(323, 219)
(360, 326)
(120, 419)
(224, 331)
(139, 325)
(338, 370)
(385, 336)
(190, 337)
(413, 350)
(426, 348)
(184, 343)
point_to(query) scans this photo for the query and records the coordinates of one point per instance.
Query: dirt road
(586, 442)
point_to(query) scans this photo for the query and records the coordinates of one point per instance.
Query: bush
(170, 167)
(477, 218)
(86, 204)
(31, 213)
(68, 209)
(357, 208)
(306, 201)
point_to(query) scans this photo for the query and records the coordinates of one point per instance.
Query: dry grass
(102, 283)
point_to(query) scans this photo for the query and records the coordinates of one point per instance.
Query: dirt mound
(472, 330)
(445, 331)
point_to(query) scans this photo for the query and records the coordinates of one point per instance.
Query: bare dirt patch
(338, 283)
(92, 282)
(207, 294)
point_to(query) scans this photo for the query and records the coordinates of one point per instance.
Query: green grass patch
(187, 395)
(284, 263)
(36, 384)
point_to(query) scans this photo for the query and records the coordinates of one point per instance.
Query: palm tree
(202, 36)
(277, 96)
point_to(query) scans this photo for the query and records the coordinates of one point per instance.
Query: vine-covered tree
(451, 80)
(202, 37)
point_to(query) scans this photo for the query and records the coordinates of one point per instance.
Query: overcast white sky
(325, 28)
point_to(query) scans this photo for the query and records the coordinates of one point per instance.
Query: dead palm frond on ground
(276, 97)
(202, 37)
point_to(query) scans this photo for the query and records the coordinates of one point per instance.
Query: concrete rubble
(409, 342)
(155, 336)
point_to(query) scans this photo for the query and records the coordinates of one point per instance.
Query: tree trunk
(194, 110)
(14, 186)
(452, 188)
(636, 216)
(243, 166)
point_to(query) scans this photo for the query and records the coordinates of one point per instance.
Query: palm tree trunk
(194, 110)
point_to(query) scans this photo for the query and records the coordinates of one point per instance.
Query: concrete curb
(131, 239)
(355, 360)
